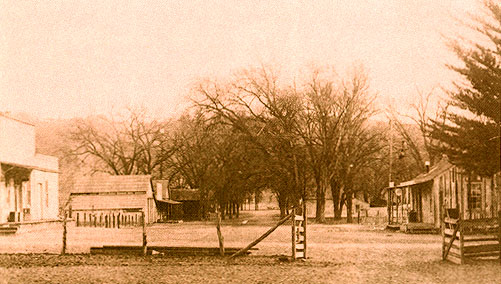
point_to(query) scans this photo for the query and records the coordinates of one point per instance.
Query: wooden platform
(8, 229)
(172, 251)
(419, 228)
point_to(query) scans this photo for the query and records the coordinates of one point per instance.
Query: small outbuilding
(178, 203)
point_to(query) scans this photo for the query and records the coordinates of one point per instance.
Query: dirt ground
(337, 253)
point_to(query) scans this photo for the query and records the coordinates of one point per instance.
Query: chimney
(427, 166)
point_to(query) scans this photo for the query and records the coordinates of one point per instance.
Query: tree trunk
(320, 209)
(238, 210)
(341, 203)
(349, 205)
(336, 199)
(223, 211)
(282, 204)
(256, 201)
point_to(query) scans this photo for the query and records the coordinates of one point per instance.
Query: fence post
(461, 239)
(78, 220)
(145, 248)
(63, 251)
(219, 234)
(499, 234)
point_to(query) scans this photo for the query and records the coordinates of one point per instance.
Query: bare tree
(121, 147)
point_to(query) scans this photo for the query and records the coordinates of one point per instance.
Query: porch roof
(434, 172)
(38, 162)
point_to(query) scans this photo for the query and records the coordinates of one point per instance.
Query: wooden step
(299, 254)
(10, 230)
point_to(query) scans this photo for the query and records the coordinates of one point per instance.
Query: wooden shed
(125, 194)
(179, 203)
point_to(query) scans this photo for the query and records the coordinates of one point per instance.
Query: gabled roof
(97, 184)
(434, 172)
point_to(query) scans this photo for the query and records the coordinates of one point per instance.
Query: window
(475, 196)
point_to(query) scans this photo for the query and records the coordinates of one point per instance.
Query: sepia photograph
(225, 141)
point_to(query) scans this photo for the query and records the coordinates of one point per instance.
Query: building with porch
(28, 180)
(444, 189)
(176, 203)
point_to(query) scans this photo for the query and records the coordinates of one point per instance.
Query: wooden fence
(107, 219)
(470, 239)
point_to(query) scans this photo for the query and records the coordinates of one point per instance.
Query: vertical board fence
(108, 219)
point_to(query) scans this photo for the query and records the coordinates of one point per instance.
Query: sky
(63, 59)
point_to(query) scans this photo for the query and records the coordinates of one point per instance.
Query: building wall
(19, 145)
(108, 202)
(44, 195)
(114, 201)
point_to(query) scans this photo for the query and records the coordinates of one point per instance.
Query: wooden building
(29, 182)
(127, 195)
(179, 203)
(425, 199)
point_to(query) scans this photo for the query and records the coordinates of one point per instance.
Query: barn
(113, 195)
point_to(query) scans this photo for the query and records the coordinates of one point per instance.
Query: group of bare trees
(311, 139)
(252, 133)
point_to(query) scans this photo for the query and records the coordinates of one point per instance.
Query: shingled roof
(435, 171)
(129, 183)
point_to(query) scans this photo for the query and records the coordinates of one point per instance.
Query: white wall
(39, 181)
(19, 145)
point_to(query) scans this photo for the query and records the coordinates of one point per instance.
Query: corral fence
(107, 219)
(470, 239)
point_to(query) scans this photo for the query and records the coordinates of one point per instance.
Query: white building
(28, 181)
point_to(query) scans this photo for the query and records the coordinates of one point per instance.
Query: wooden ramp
(165, 250)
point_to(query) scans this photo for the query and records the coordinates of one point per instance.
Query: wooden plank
(255, 242)
(481, 222)
(485, 238)
(483, 254)
(481, 248)
(461, 241)
(219, 234)
(448, 232)
(454, 259)
(452, 240)
(450, 220)
(499, 234)
(294, 235)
